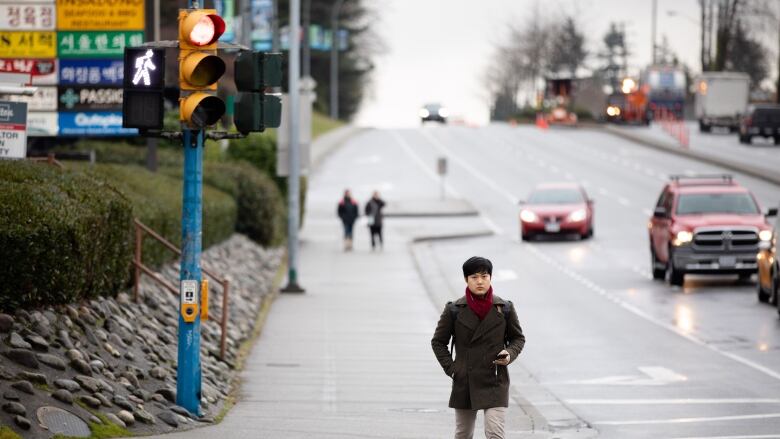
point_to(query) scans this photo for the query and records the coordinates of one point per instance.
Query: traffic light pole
(293, 177)
(188, 374)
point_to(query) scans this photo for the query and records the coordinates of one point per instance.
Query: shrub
(64, 236)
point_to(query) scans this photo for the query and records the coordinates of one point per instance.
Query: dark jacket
(477, 383)
(347, 210)
(374, 210)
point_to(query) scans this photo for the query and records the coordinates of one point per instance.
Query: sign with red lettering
(42, 71)
(27, 16)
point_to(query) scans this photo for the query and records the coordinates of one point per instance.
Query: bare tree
(567, 49)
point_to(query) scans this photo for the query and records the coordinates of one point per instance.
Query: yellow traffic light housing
(199, 66)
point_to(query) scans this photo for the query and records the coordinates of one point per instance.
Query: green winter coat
(477, 383)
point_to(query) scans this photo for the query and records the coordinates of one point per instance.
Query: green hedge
(157, 200)
(65, 236)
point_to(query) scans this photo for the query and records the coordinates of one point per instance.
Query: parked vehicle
(769, 268)
(760, 121)
(558, 100)
(665, 87)
(557, 209)
(706, 224)
(628, 105)
(721, 99)
(433, 113)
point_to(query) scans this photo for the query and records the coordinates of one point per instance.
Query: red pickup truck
(706, 224)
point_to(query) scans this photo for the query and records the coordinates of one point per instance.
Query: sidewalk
(351, 357)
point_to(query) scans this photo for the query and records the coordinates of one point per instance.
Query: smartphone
(501, 356)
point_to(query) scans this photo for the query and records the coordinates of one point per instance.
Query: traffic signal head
(254, 72)
(144, 81)
(199, 66)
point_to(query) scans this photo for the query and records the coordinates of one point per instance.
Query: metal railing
(49, 159)
(140, 230)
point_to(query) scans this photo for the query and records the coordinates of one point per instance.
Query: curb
(323, 146)
(431, 214)
(753, 171)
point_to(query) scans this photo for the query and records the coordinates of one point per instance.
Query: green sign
(96, 44)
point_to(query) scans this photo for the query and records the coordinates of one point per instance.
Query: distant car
(769, 268)
(433, 113)
(561, 116)
(556, 209)
(706, 224)
(760, 121)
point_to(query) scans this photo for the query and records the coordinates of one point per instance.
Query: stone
(23, 422)
(5, 375)
(129, 356)
(111, 350)
(52, 361)
(143, 394)
(6, 323)
(116, 340)
(97, 365)
(130, 378)
(11, 395)
(103, 400)
(135, 399)
(64, 337)
(90, 335)
(16, 341)
(25, 357)
(89, 384)
(180, 410)
(24, 386)
(101, 334)
(14, 408)
(37, 378)
(167, 393)
(63, 395)
(74, 354)
(81, 366)
(38, 343)
(110, 375)
(169, 418)
(95, 420)
(158, 372)
(123, 403)
(143, 416)
(90, 401)
(68, 385)
(157, 397)
(105, 386)
(115, 420)
(126, 417)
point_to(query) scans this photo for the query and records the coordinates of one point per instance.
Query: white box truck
(721, 99)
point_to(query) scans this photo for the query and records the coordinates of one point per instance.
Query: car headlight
(578, 215)
(683, 237)
(527, 216)
(765, 235)
(443, 112)
(424, 113)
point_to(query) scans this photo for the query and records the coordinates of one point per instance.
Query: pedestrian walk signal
(255, 72)
(199, 67)
(143, 84)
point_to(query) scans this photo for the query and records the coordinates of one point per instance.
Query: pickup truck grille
(726, 239)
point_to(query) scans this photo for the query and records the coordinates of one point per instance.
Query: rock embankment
(114, 360)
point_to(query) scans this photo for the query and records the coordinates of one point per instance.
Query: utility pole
(293, 176)
(306, 68)
(334, 60)
(652, 32)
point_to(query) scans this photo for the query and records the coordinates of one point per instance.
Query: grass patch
(105, 430)
(7, 433)
(321, 124)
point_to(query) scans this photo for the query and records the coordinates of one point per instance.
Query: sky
(438, 50)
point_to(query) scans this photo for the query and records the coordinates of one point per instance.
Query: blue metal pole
(188, 374)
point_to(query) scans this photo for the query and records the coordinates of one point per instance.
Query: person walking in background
(348, 212)
(374, 215)
(487, 337)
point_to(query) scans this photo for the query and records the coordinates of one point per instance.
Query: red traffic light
(201, 27)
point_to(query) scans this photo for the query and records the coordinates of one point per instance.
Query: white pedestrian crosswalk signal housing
(144, 81)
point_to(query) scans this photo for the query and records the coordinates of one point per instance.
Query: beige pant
(494, 423)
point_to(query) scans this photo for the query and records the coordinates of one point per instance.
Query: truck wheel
(658, 273)
(676, 277)
(777, 140)
(744, 139)
(704, 128)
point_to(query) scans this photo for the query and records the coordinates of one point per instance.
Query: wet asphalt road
(633, 357)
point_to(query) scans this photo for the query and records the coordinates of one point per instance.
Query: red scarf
(480, 304)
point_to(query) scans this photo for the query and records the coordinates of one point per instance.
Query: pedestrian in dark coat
(487, 337)
(348, 212)
(374, 214)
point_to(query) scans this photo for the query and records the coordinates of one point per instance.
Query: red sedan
(557, 208)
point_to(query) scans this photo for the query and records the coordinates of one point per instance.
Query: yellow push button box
(189, 300)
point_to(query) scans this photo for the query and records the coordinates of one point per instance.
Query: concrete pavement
(351, 357)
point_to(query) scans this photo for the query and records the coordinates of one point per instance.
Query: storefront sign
(100, 14)
(93, 123)
(44, 99)
(42, 71)
(91, 72)
(13, 131)
(28, 44)
(20, 16)
(89, 99)
(42, 124)
(96, 44)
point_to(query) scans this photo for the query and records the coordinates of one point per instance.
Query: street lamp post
(334, 60)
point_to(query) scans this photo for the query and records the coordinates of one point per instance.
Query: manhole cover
(60, 421)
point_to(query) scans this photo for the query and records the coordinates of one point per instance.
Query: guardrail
(48, 159)
(140, 230)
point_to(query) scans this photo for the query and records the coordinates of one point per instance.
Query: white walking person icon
(142, 67)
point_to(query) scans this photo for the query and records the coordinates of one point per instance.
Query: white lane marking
(368, 160)
(653, 376)
(690, 420)
(633, 309)
(421, 163)
(491, 225)
(469, 167)
(673, 401)
(504, 275)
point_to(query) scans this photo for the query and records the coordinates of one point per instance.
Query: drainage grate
(59, 421)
